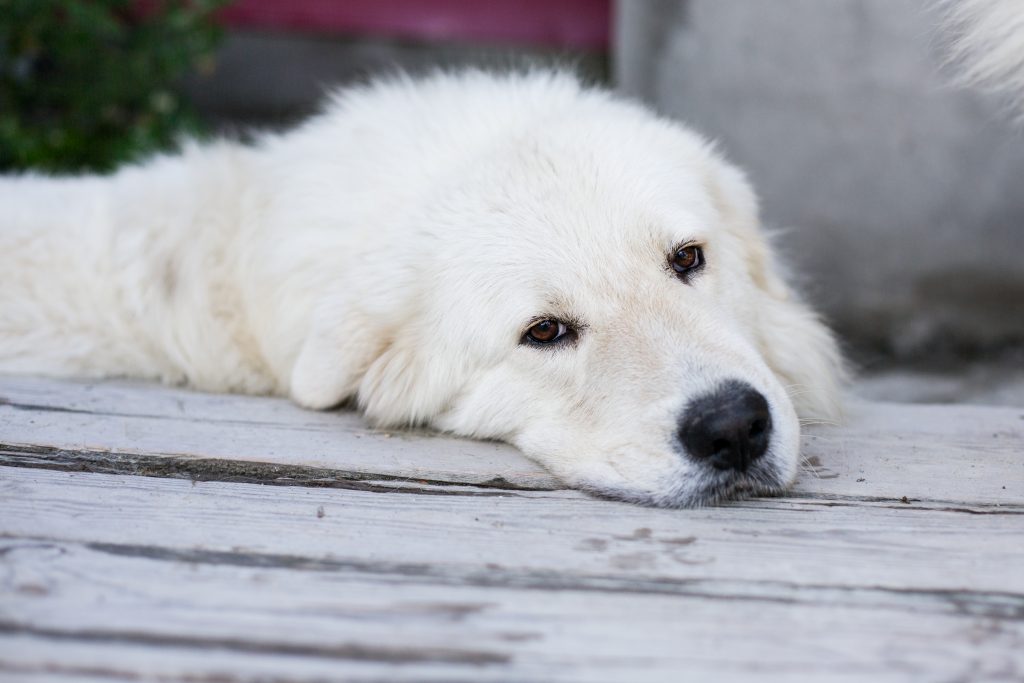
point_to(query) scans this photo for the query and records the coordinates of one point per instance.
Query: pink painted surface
(580, 24)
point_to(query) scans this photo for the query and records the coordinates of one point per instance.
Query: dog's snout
(728, 428)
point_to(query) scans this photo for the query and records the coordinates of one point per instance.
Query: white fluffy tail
(988, 46)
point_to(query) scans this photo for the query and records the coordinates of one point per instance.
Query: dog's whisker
(807, 465)
(804, 422)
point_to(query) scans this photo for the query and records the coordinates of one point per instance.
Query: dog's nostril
(730, 427)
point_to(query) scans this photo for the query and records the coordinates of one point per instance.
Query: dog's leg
(341, 344)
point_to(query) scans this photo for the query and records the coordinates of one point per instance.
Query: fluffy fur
(988, 46)
(393, 250)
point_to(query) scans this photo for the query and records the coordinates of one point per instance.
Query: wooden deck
(156, 534)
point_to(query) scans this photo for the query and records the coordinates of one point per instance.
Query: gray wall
(903, 197)
(266, 78)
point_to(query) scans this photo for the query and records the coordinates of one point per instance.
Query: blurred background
(898, 197)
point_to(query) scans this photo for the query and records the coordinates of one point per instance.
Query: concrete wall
(276, 78)
(903, 197)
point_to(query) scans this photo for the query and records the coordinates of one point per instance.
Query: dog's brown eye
(546, 331)
(687, 258)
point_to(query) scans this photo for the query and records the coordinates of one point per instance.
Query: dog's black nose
(729, 427)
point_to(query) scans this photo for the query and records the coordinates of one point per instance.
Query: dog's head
(596, 290)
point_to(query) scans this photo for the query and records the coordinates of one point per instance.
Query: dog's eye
(687, 259)
(546, 331)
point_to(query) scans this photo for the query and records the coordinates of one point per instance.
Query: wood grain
(97, 423)
(959, 454)
(149, 533)
(543, 586)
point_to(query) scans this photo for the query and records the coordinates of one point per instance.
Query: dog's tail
(988, 47)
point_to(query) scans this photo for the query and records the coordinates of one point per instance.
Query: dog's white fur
(988, 46)
(394, 249)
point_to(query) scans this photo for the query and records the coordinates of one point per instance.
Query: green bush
(89, 84)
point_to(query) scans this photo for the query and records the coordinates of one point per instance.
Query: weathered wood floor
(156, 534)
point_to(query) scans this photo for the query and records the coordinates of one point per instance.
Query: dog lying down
(510, 257)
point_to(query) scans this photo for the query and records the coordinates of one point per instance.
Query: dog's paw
(314, 394)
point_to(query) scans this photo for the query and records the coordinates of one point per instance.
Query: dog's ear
(794, 341)
(339, 346)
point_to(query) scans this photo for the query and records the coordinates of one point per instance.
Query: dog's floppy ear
(794, 341)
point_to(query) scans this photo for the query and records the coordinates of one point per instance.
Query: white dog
(512, 257)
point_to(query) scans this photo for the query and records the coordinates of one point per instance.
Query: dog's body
(402, 248)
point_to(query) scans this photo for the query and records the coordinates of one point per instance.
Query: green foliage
(89, 84)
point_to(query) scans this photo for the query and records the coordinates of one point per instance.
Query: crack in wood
(1003, 606)
(926, 504)
(91, 672)
(171, 466)
(110, 673)
(242, 471)
(343, 652)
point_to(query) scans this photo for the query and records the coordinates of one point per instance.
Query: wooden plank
(112, 577)
(165, 578)
(959, 454)
(528, 534)
(470, 632)
(963, 455)
(190, 432)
